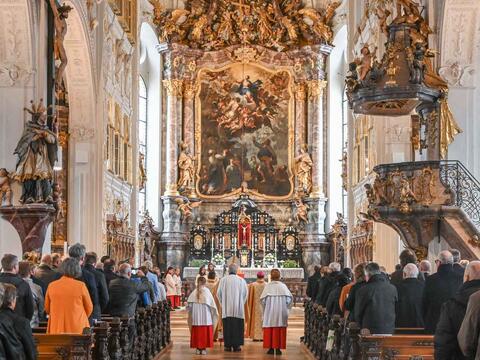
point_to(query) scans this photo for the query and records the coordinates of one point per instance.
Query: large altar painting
(243, 128)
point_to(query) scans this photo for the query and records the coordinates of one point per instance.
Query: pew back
(64, 346)
(397, 347)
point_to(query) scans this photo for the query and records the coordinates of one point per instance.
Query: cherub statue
(301, 212)
(372, 198)
(382, 15)
(365, 63)
(418, 67)
(321, 25)
(58, 202)
(5, 189)
(303, 170)
(142, 174)
(185, 206)
(186, 167)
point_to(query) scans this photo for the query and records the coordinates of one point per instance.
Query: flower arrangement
(269, 260)
(218, 259)
(289, 264)
(196, 263)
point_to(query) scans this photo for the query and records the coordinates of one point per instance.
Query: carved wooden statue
(301, 212)
(37, 153)
(185, 206)
(5, 189)
(142, 177)
(186, 167)
(60, 15)
(303, 170)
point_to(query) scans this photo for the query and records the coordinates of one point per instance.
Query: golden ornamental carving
(315, 88)
(63, 138)
(190, 90)
(171, 190)
(303, 171)
(300, 91)
(186, 170)
(245, 55)
(185, 206)
(274, 24)
(173, 87)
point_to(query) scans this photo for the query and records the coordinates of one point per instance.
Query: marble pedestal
(31, 222)
(315, 248)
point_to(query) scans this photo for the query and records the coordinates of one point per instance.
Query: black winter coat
(109, 276)
(350, 302)
(451, 317)
(20, 341)
(312, 285)
(102, 289)
(375, 306)
(459, 269)
(25, 302)
(396, 277)
(46, 274)
(124, 294)
(409, 306)
(439, 287)
(325, 286)
(89, 280)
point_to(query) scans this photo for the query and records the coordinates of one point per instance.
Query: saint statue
(37, 153)
(186, 166)
(303, 169)
(244, 229)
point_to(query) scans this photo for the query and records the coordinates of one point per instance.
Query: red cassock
(171, 299)
(275, 338)
(201, 337)
(244, 234)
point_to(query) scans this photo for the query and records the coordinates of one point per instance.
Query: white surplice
(232, 293)
(277, 301)
(202, 311)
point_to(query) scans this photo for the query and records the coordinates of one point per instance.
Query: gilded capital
(315, 88)
(300, 91)
(173, 87)
(190, 89)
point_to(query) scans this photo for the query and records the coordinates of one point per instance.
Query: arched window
(142, 135)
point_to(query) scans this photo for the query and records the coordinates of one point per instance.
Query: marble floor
(252, 350)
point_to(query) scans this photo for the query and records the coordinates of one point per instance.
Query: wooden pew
(397, 347)
(65, 346)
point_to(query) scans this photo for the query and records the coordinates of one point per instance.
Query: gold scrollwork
(300, 91)
(174, 87)
(315, 88)
(190, 90)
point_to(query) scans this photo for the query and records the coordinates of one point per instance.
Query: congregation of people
(228, 309)
(72, 293)
(445, 304)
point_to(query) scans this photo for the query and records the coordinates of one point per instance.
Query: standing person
(457, 258)
(178, 288)
(109, 271)
(68, 302)
(375, 302)
(453, 312)
(276, 300)
(102, 288)
(409, 306)
(425, 268)
(153, 278)
(25, 269)
(312, 284)
(202, 317)
(22, 332)
(171, 286)
(56, 261)
(469, 334)
(255, 309)
(327, 283)
(9, 275)
(406, 257)
(44, 272)
(439, 287)
(201, 273)
(333, 301)
(78, 252)
(212, 285)
(359, 275)
(232, 294)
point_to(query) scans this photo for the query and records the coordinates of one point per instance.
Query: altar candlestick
(275, 242)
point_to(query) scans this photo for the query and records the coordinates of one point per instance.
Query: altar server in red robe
(171, 287)
(202, 317)
(277, 301)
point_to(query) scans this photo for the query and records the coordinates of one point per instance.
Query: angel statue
(186, 167)
(301, 212)
(303, 170)
(37, 153)
(185, 206)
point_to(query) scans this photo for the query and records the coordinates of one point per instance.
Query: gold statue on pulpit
(244, 229)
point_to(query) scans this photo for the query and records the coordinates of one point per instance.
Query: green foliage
(198, 263)
(290, 264)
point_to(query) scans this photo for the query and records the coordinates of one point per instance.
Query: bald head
(410, 271)
(472, 272)
(445, 257)
(47, 259)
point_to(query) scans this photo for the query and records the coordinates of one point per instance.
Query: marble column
(300, 93)
(315, 249)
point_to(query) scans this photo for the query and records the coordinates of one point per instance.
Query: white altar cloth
(250, 273)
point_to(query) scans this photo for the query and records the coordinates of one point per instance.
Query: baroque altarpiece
(244, 115)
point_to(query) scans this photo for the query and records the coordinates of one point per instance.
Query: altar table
(250, 273)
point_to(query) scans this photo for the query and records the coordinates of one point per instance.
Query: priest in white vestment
(202, 317)
(277, 301)
(232, 293)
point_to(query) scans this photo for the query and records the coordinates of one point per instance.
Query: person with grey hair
(457, 257)
(439, 287)
(78, 252)
(232, 294)
(327, 283)
(153, 280)
(9, 275)
(67, 302)
(15, 331)
(375, 302)
(408, 309)
(425, 268)
(452, 314)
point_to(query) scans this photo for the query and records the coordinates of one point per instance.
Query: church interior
(308, 136)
